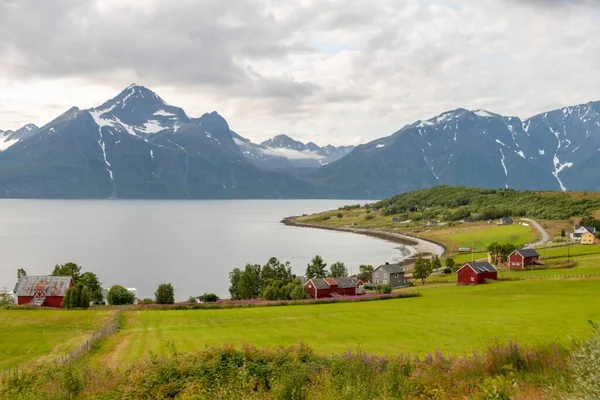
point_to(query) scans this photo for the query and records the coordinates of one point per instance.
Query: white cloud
(292, 154)
(321, 70)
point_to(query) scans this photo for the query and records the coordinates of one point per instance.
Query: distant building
(475, 273)
(48, 291)
(588, 238)
(387, 273)
(505, 221)
(432, 223)
(579, 231)
(468, 219)
(522, 258)
(319, 288)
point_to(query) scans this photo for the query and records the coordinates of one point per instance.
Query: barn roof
(56, 285)
(341, 282)
(481, 267)
(528, 252)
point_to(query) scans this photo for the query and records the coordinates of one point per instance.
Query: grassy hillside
(454, 203)
(27, 335)
(530, 311)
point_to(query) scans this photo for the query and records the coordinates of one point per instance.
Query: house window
(385, 282)
(310, 286)
(472, 279)
(385, 276)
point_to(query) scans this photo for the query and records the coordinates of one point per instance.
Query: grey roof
(528, 252)
(342, 282)
(319, 283)
(56, 285)
(480, 267)
(591, 229)
(391, 268)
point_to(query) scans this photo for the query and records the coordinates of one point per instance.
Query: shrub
(340, 215)
(210, 298)
(369, 216)
(150, 301)
(584, 364)
(447, 270)
(387, 288)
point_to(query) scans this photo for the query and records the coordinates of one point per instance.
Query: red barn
(475, 273)
(319, 288)
(522, 258)
(46, 291)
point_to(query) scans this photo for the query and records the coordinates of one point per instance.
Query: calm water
(192, 244)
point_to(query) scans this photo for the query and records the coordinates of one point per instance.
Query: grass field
(448, 318)
(27, 335)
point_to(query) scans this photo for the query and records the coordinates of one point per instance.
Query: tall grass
(296, 372)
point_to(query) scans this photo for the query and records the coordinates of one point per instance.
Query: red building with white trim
(522, 258)
(319, 288)
(48, 291)
(475, 273)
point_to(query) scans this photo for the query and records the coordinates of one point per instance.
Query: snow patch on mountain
(380, 146)
(541, 152)
(484, 114)
(7, 143)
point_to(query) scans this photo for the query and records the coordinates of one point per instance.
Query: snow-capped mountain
(137, 146)
(557, 150)
(286, 154)
(9, 138)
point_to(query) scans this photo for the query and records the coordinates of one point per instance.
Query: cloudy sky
(330, 71)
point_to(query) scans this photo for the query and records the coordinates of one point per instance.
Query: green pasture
(27, 335)
(447, 318)
(479, 238)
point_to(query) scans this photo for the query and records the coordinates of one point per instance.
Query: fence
(77, 352)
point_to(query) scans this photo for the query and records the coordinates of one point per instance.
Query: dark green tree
(298, 293)
(450, 263)
(235, 277)
(316, 268)
(436, 263)
(338, 269)
(165, 294)
(365, 272)
(563, 233)
(69, 269)
(91, 281)
(77, 296)
(118, 295)
(422, 269)
(21, 273)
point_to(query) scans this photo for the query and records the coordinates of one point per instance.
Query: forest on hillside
(459, 202)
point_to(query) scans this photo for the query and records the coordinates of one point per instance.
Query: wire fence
(78, 351)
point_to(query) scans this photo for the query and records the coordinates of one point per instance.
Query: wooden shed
(46, 291)
(475, 273)
(522, 258)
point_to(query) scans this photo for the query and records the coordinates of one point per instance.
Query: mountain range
(135, 145)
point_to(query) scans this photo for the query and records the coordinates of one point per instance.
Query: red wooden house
(319, 288)
(475, 273)
(522, 258)
(46, 291)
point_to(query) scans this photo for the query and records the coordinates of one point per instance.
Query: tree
(436, 263)
(563, 233)
(234, 279)
(118, 295)
(338, 269)
(91, 281)
(450, 263)
(21, 273)
(69, 269)
(77, 296)
(316, 268)
(298, 292)
(365, 272)
(210, 298)
(165, 294)
(422, 269)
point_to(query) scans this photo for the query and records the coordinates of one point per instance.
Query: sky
(327, 71)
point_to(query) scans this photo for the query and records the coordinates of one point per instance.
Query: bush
(147, 301)
(77, 296)
(447, 270)
(584, 364)
(387, 288)
(165, 294)
(369, 216)
(340, 215)
(210, 298)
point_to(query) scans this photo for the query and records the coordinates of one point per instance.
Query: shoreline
(418, 246)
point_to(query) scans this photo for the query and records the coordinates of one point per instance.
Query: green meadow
(451, 319)
(34, 335)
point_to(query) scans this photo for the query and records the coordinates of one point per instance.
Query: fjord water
(192, 244)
